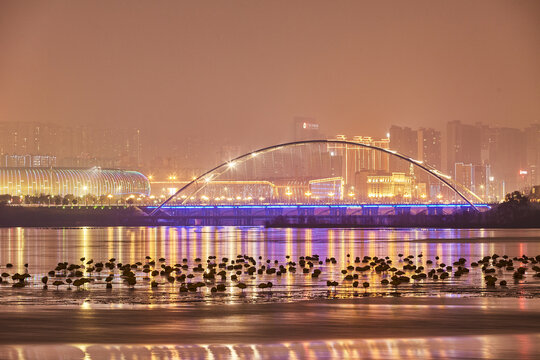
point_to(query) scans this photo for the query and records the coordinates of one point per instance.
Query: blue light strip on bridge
(351, 206)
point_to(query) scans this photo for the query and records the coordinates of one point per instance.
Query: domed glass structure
(77, 182)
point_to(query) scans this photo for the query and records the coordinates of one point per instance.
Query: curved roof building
(78, 182)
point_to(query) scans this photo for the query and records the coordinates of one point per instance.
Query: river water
(298, 317)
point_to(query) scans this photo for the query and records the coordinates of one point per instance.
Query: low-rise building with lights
(392, 186)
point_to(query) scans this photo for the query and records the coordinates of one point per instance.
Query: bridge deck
(302, 213)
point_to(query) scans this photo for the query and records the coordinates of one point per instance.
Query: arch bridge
(318, 178)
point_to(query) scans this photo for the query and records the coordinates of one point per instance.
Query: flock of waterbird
(246, 271)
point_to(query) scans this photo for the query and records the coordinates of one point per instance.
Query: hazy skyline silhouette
(238, 72)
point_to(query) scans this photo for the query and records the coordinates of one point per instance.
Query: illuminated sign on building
(310, 126)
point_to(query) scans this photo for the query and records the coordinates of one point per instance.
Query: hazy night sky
(239, 71)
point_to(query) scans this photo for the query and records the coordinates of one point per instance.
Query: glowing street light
(85, 189)
(288, 193)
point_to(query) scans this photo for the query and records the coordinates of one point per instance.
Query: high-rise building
(27, 161)
(356, 158)
(305, 128)
(532, 153)
(464, 144)
(404, 140)
(464, 174)
(475, 178)
(429, 147)
(77, 146)
(508, 157)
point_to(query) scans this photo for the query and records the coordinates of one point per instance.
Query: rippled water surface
(299, 316)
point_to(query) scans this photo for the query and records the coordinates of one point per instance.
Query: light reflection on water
(477, 347)
(43, 248)
(367, 328)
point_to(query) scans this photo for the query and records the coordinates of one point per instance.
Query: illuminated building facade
(326, 189)
(77, 182)
(221, 190)
(356, 159)
(394, 187)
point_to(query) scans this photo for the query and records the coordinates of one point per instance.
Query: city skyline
(489, 161)
(236, 73)
(269, 179)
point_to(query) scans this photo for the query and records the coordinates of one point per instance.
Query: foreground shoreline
(521, 346)
(313, 320)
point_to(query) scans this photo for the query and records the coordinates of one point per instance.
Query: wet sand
(438, 327)
(269, 323)
(522, 347)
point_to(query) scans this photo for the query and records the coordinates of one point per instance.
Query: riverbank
(72, 216)
(500, 216)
